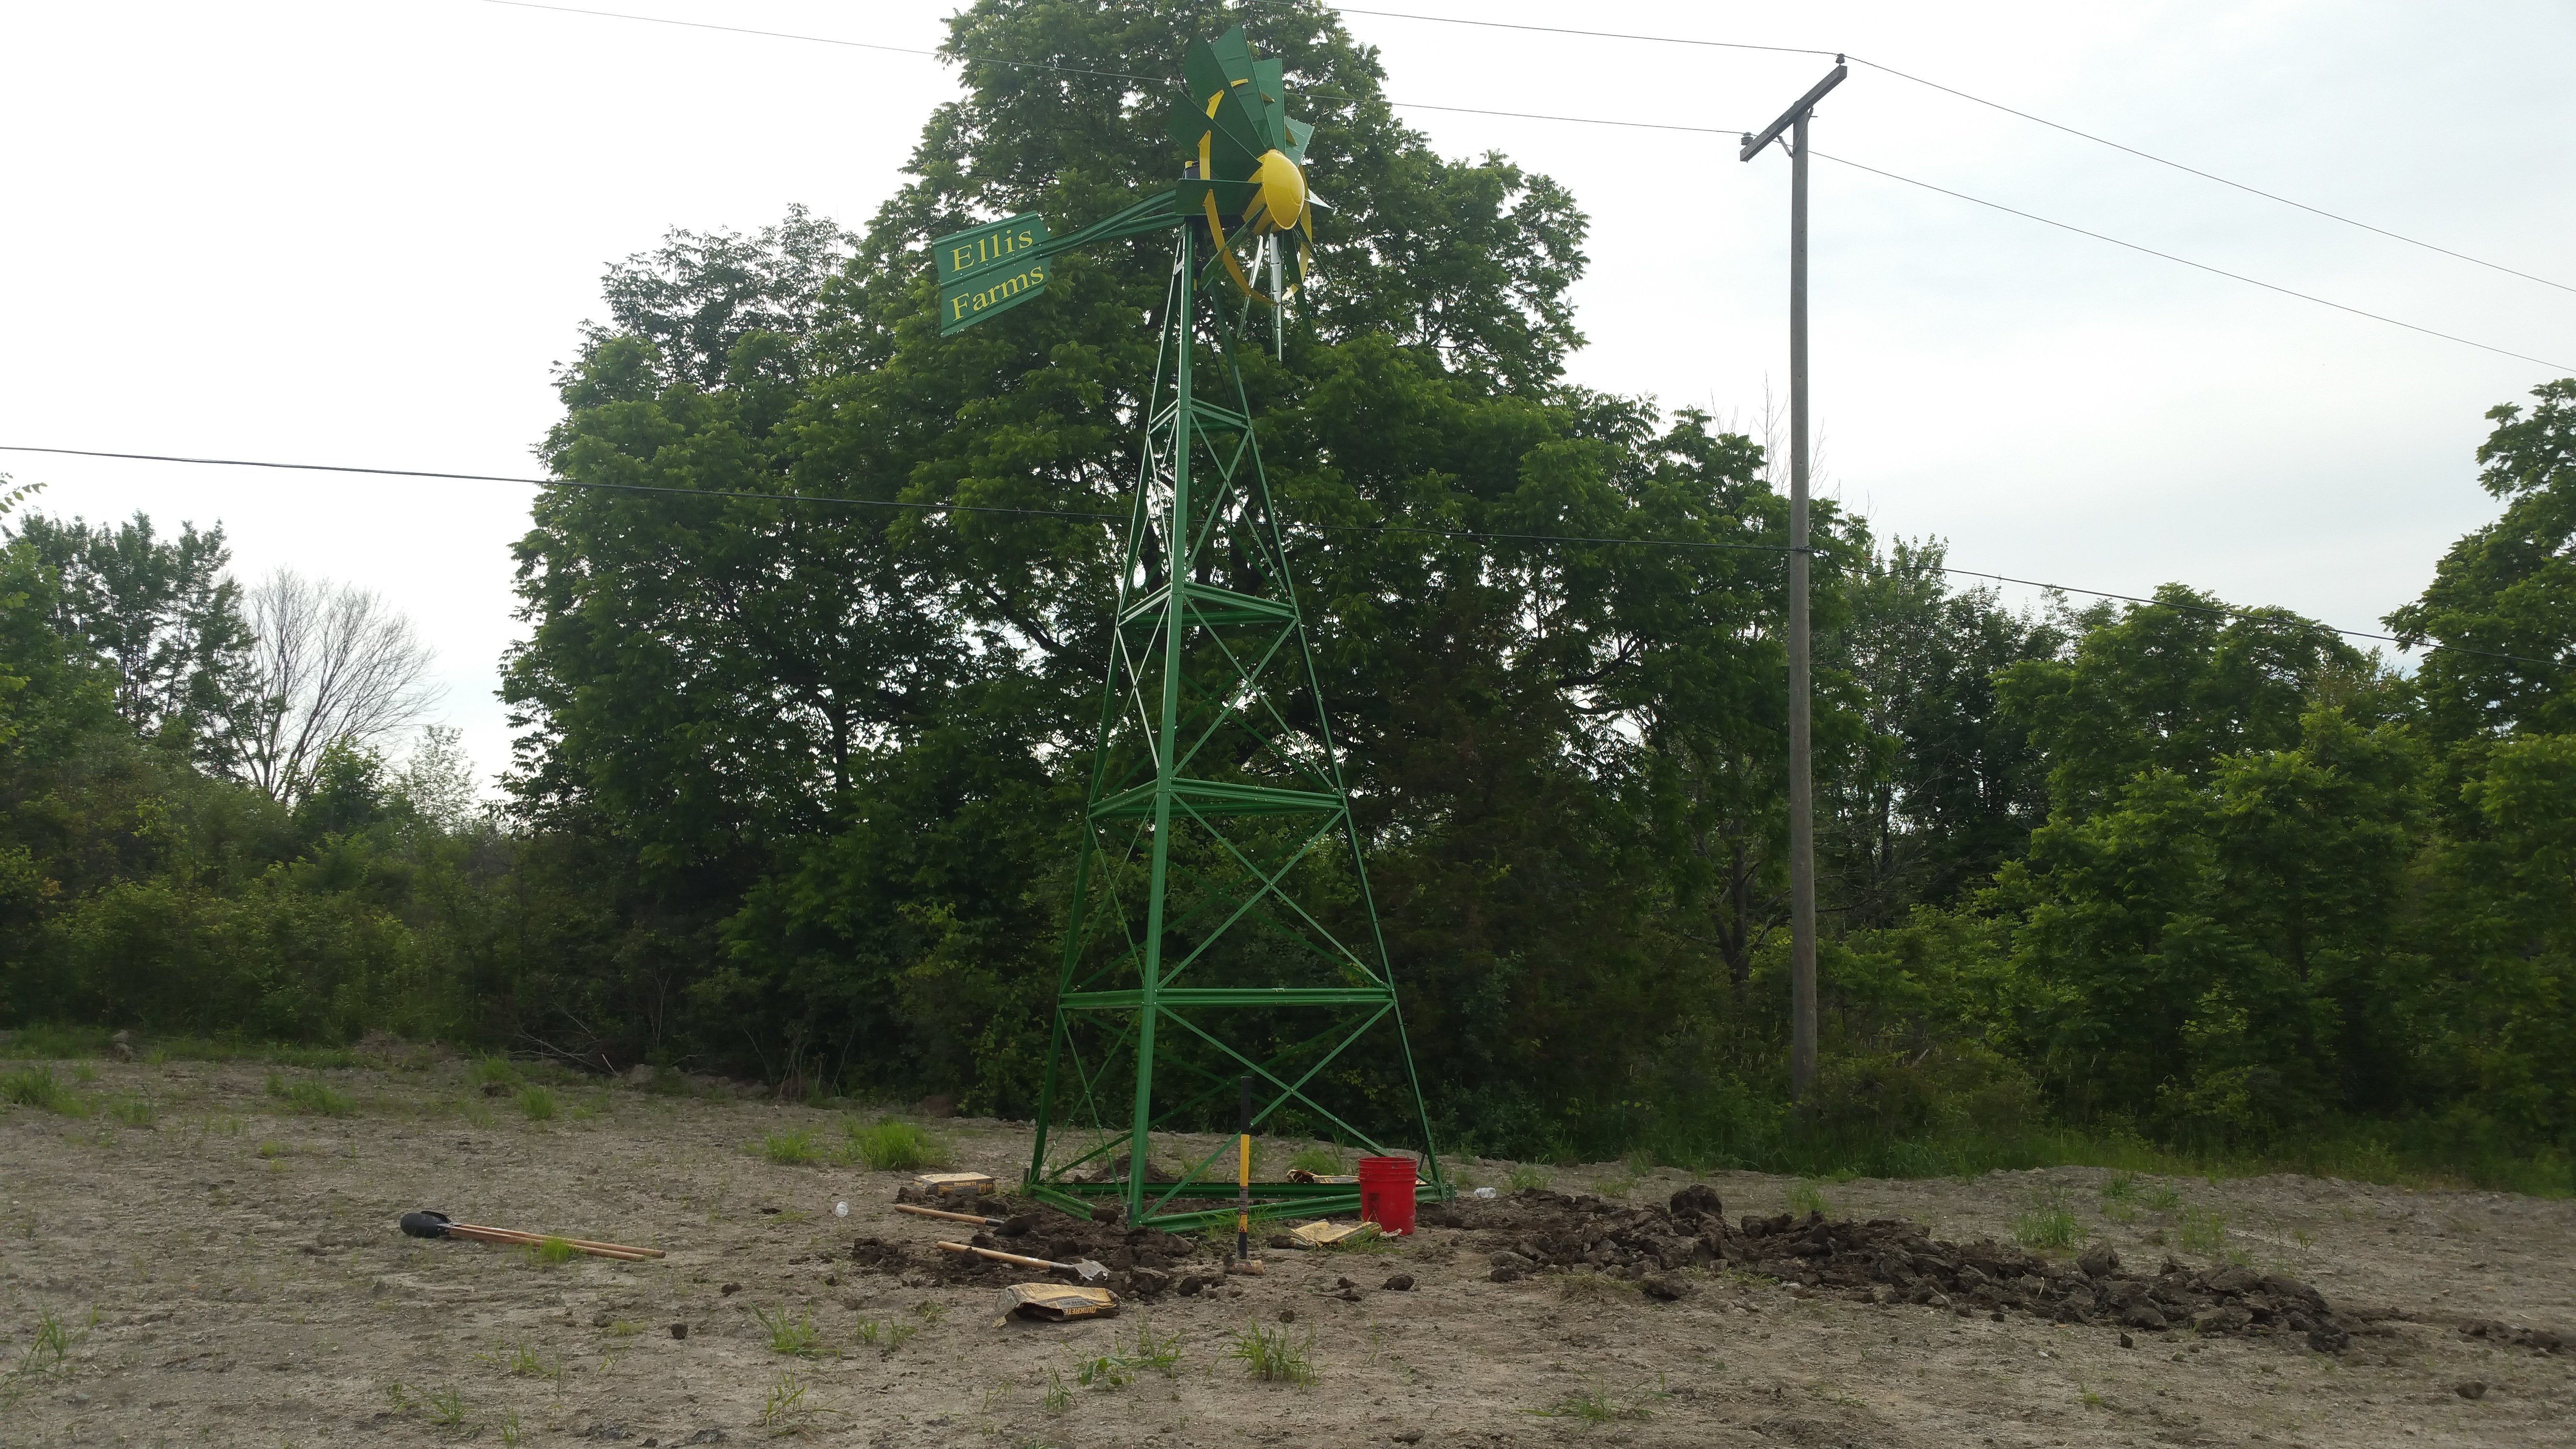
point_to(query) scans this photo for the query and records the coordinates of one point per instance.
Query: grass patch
(786, 1399)
(37, 1087)
(520, 1361)
(135, 1112)
(1270, 1355)
(796, 1337)
(549, 1253)
(55, 1339)
(446, 1408)
(537, 1104)
(2204, 1231)
(794, 1147)
(891, 1146)
(1595, 1406)
(885, 1337)
(1526, 1176)
(494, 1071)
(1808, 1196)
(2163, 1199)
(309, 1097)
(1321, 1161)
(2047, 1223)
(1120, 1366)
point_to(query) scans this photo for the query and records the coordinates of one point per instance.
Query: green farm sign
(989, 269)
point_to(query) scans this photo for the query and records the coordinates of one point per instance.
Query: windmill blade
(1204, 72)
(1299, 133)
(1269, 77)
(1188, 122)
(1233, 55)
(1232, 197)
(1238, 118)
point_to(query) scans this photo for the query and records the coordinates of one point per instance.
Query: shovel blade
(1087, 1270)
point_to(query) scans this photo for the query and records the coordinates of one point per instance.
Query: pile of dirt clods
(1143, 1262)
(1885, 1260)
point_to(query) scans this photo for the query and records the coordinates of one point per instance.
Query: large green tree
(836, 738)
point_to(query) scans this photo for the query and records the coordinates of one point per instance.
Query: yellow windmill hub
(1247, 177)
(1281, 203)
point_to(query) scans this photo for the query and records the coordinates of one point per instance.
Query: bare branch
(332, 664)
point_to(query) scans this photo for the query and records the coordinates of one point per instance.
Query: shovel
(1082, 1268)
(439, 1225)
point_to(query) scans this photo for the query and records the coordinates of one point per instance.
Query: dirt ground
(228, 1272)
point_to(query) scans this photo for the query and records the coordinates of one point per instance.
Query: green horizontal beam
(1300, 1192)
(1176, 996)
(1320, 1207)
(1218, 797)
(1212, 604)
(1206, 411)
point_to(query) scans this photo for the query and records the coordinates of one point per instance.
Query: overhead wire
(1965, 96)
(1085, 515)
(2188, 262)
(1604, 121)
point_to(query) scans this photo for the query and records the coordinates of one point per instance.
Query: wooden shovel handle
(480, 1233)
(999, 1256)
(923, 1212)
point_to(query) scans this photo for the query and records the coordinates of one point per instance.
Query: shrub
(892, 1146)
(792, 1147)
(36, 1087)
(537, 1104)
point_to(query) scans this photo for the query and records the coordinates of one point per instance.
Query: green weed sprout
(796, 1337)
(1270, 1355)
(2048, 1223)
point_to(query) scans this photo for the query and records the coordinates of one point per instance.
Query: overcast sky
(368, 233)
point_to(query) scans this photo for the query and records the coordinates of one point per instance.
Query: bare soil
(231, 1274)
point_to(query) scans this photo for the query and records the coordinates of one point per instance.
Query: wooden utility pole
(1802, 822)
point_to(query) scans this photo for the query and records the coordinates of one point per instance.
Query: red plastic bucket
(1386, 1193)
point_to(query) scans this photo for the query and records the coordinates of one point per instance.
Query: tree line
(798, 769)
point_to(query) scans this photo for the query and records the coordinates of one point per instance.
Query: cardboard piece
(955, 1184)
(1055, 1302)
(1325, 1233)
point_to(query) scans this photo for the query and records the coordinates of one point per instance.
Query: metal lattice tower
(1221, 922)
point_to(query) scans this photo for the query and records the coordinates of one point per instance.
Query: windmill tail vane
(1245, 178)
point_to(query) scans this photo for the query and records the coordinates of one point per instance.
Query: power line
(1397, 528)
(2188, 262)
(1977, 100)
(1594, 121)
(1157, 80)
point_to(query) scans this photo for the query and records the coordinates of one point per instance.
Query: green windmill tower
(1221, 930)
